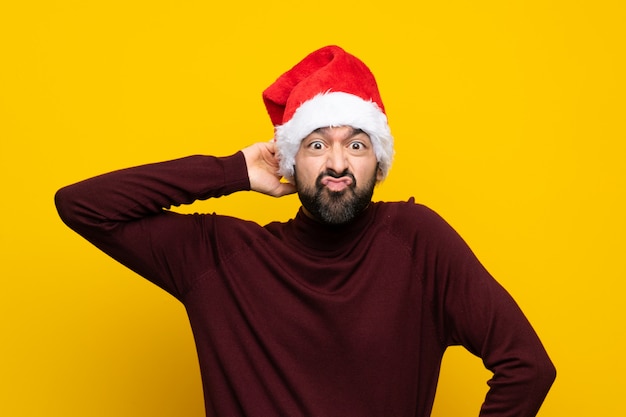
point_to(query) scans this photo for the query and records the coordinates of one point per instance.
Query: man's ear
(379, 174)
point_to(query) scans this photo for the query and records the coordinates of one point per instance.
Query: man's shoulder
(408, 218)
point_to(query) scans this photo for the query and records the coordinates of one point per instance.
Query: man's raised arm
(124, 213)
(133, 193)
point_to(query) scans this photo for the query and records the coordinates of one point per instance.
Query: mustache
(334, 174)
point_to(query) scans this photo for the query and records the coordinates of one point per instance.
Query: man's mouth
(337, 184)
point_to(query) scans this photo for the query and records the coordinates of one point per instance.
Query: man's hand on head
(263, 173)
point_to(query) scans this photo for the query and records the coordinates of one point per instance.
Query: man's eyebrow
(357, 132)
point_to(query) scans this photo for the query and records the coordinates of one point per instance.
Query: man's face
(335, 173)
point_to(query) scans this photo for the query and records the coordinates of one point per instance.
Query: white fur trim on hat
(334, 109)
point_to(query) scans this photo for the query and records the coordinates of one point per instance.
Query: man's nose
(337, 159)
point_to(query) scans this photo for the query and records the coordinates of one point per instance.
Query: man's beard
(335, 207)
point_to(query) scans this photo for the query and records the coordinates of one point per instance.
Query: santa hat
(329, 87)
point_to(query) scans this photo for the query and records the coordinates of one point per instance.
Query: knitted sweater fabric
(301, 319)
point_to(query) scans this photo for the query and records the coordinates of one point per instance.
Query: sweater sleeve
(479, 314)
(125, 214)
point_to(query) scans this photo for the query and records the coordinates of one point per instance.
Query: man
(345, 310)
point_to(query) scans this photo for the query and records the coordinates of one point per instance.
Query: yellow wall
(509, 118)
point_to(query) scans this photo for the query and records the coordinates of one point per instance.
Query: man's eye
(316, 145)
(356, 146)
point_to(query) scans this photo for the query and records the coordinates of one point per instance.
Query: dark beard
(335, 207)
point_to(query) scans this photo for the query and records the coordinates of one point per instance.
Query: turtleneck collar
(327, 238)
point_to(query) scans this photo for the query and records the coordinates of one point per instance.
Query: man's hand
(263, 170)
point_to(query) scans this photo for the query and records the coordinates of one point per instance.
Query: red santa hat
(329, 87)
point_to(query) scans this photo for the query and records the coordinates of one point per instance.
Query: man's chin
(336, 197)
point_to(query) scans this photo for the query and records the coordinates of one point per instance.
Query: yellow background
(509, 118)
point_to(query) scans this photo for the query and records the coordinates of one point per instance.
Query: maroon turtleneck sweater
(301, 319)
